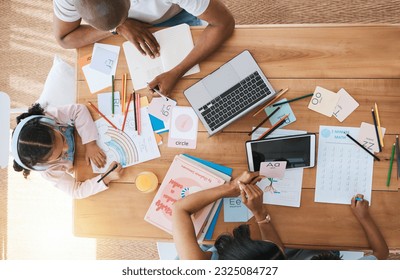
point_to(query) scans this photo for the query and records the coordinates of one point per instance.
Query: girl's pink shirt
(61, 173)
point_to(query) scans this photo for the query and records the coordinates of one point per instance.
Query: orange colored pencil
(280, 93)
(101, 114)
(126, 111)
(275, 126)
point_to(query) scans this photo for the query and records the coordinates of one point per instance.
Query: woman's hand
(252, 197)
(360, 207)
(115, 174)
(139, 35)
(165, 82)
(95, 154)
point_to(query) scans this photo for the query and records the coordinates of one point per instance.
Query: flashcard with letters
(324, 101)
(284, 110)
(367, 137)
(273, 169)
(183, 130)
(345, 106)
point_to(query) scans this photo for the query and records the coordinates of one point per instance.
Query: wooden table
(365, 60)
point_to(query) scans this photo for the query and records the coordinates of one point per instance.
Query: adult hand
(139, 35)
(359, 207)
(252, 197)
(95, 154)
(115, 174)
(165, 82)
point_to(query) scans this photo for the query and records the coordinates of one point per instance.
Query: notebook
(230, 92)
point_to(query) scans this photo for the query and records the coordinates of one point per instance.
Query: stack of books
(186, 175)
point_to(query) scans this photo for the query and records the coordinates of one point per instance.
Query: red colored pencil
(138, 113)
(126, 111)
(278, 124)
(101, 114)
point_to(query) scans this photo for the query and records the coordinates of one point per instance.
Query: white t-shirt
(150, 11)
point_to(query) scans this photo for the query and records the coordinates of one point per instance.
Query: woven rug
(27, 49)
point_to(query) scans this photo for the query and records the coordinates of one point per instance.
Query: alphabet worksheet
(343, 168)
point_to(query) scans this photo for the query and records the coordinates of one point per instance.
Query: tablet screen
(295, 151)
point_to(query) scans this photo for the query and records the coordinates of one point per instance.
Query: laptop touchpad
(221, 80)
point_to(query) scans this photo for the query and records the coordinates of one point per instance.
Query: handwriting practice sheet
(343, 168)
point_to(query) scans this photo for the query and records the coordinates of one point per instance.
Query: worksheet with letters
(343, 168)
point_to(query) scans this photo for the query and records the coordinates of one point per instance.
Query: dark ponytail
(35, 141)
(240, 246)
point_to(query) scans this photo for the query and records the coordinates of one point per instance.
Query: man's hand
(95, 154)
(165, 82)
(139, 35)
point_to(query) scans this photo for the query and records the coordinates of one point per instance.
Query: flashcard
(160, 112)
(103, 60)
(367, 136)
(183, 128)
(323, 101)
(235, 210)
(273, 169)
(104, 101)
(284, 110)
(345, 106)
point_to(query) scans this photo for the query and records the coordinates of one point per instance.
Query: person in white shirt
(132, 19)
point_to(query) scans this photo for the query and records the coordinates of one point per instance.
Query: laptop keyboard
(235, 100)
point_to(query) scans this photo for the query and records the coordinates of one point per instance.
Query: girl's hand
(359, 207)
(115, 174)
(95, 154)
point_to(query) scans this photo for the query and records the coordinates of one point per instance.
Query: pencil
(294, 99)
(138, 113)
(112, 94)
(123, 91)
(264, 120)
(390, 166)
(101, 114)
(126, 111)
(379, 125)
(274, 127)
(108, 172)
(365, 149)
(159, 93)
(398, 156)
(376, 130)
(279, 94)
(134, 108)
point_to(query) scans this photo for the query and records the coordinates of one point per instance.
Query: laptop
(229, 93)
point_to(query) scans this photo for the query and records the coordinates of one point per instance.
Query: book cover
(182, 178)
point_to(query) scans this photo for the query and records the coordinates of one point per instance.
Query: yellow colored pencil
(379, 125)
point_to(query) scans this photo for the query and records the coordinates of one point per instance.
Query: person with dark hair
(133, 18)
(240, 245)
(44, 141)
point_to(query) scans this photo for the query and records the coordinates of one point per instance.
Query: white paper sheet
(284, 192)
(104, 102)
(127, 147)
(343, 168)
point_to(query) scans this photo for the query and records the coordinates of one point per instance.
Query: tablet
(296, 150)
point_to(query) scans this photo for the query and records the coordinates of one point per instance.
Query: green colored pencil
(390, 166)
(294, 99)
(112, 94)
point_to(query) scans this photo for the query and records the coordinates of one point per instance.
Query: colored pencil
(264, 120)
(159, 93)
(278, 124)
(379, 125)
(126, 111)
(390, 166)
(376, 130)
(279, 94)
(108, 172)
(134, 108)
(112, 94)
(101, 114)
(365, 149)
(123, 91)
(294, 99)
(398, 156)
(138, 113)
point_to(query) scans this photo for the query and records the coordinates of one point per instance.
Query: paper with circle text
(323, 101)
(273, 169)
